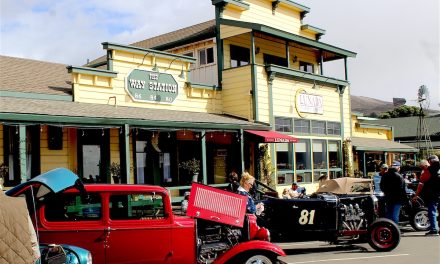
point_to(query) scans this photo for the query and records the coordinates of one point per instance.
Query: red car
(135, 223)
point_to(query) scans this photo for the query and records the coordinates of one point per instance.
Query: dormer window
(206, 56)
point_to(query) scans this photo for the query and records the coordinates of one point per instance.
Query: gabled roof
(179, 37)
(406, 127)
(32, 76)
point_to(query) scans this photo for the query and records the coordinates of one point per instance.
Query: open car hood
(346, 185)
(53, 181)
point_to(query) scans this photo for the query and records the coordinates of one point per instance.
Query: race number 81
(306, 217)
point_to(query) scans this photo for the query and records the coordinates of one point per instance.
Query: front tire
(258, 259)
(383, 235)
(420, 221)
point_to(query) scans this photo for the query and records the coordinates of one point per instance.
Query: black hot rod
(340, 210)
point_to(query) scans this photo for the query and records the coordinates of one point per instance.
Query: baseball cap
(395, 164)
(433, 158)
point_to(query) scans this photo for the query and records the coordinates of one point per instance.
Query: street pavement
(414, 248)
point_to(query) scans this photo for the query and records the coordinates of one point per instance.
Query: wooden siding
(260, 11)
(237, 99)
(263, 96)
(230, 31)
(124, 63)
(52, 159)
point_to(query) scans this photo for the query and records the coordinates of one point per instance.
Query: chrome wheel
(420, 220)
(258, 259)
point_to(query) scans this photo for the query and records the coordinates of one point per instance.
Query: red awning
(272, 136)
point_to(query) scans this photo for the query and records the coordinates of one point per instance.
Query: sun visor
(216, 205)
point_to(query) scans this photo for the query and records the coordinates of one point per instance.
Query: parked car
(67, 254)
(122, 223)
(342, 209)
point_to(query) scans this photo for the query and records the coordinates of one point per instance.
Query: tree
(401, 111)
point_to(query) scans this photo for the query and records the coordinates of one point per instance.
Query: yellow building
(209, 92)
(374, 145)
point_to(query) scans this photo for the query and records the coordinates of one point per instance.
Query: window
(333, 128)
(239, 56)
(271, 59)
(190, 54)
(206, 56)
(142, 206)
(302, 154)
(73, 207)
(284, 156)
(318, 127)
(319, 154)
(302, 126)
(319, 176)
(304, 177)
(306, 67)
(283, 124)
(334, 150)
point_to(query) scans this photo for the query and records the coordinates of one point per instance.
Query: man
(393, 187)
(429, 190)
(296, 191)
(378, 177)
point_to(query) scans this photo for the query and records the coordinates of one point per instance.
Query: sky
(396, 41)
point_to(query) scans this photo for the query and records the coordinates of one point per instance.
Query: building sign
(151, 86)
(309, 103)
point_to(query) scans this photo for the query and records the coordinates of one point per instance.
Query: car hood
(53, 181)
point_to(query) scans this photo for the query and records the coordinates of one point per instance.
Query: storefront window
(319, 176)
(335, 174)
(285, 178)
(318, 127)
(319, 154)
(302, 154)
(373, 162)
(284, 156)
(304, 177)
(302, 126)
(334, 154)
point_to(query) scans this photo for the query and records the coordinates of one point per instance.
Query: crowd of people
(393, 185)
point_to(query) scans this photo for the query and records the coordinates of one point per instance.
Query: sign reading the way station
(151, 86)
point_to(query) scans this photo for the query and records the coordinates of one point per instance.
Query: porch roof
(40, 111)
(375, 144)
(332, 50)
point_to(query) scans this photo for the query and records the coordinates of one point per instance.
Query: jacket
(393, 186)
(431, 188)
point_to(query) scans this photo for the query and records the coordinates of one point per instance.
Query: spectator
(393, 187)
(285, 194)
(378, 177)
(246, 183)
(233, 181)
(429, 190)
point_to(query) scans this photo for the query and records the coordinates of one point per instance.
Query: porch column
(22, 153)
(241, 150)
(204, 170)
(254, 80)
(287, 54)
(124, 144)
(321, 62)
(346, 69)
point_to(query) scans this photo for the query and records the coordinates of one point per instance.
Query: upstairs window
(283, 124)
(271, 59)
(318, 127)
(239, 56)
(302, 126)
(206, 56)
(333, 128)
(306, 67)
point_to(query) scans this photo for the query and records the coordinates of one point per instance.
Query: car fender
(255, 245)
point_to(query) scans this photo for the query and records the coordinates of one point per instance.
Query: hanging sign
(309, 103)
(151, 86)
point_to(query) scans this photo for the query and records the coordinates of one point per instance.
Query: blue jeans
(393, 211)
(432, 214)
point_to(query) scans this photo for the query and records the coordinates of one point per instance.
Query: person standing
(246, 183)
(429, 190)
(393, 187)
(233, 181)
(378, 177)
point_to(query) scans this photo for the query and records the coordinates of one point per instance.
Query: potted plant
(115, 171)
(192, 166)
(4, 169)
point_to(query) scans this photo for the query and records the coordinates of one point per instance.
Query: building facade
(210, 92)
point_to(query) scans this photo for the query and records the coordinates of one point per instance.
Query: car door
(139, 229)
(76, 219)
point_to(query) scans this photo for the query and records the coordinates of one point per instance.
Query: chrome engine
(352, 217)
(213, 240)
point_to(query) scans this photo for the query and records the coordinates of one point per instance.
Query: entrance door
(94, 155)
(91, 162)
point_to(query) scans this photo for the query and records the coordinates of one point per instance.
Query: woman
(246, 183)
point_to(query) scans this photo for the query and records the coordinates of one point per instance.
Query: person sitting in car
(246, 184)
(296, 191)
